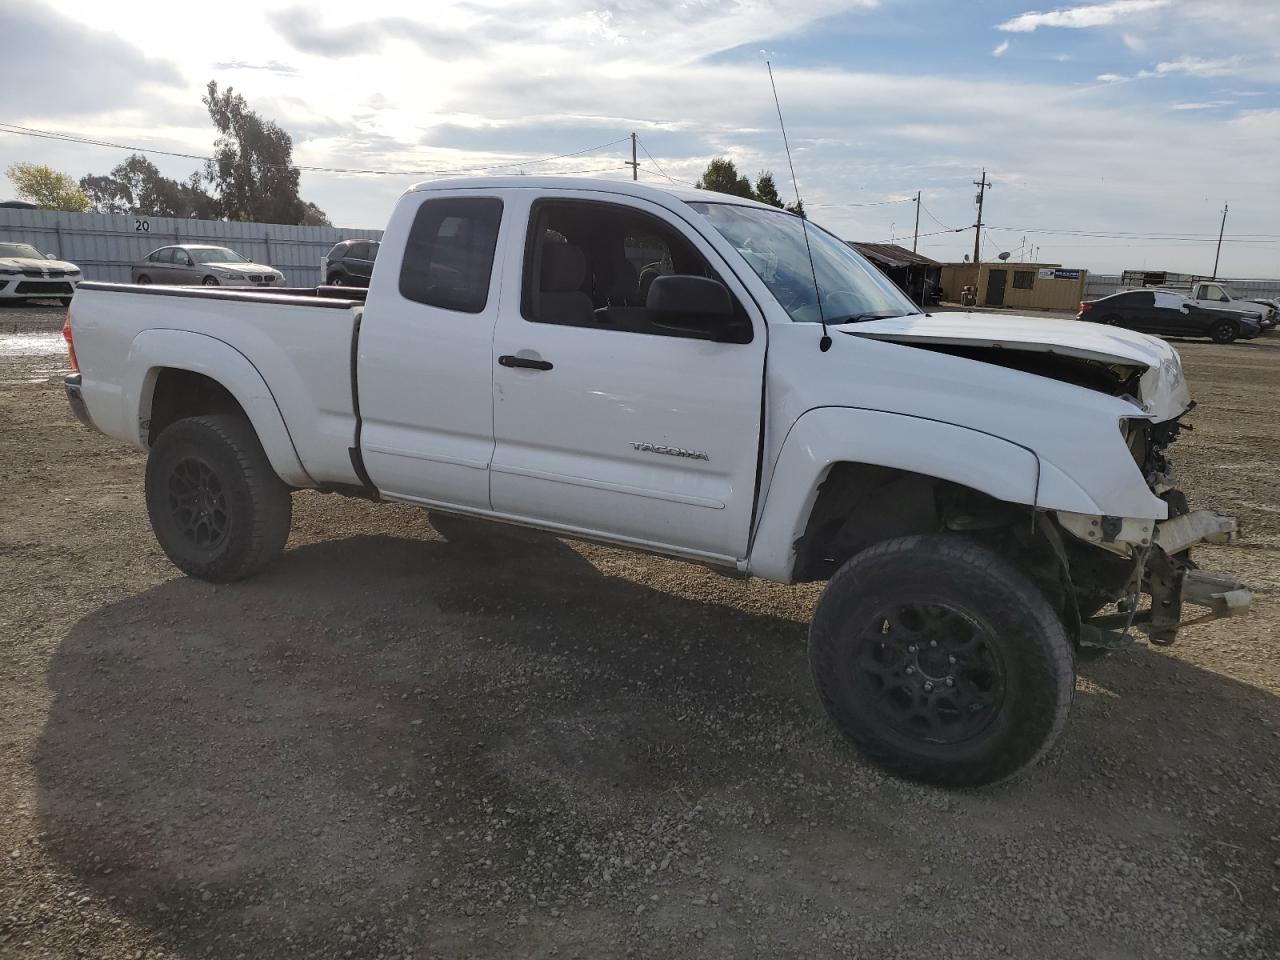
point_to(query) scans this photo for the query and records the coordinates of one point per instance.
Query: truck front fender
(826, 436)
(155, 350)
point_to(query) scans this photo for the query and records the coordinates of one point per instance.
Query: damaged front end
(1119, 560)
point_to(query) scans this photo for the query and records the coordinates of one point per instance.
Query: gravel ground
(416, 736)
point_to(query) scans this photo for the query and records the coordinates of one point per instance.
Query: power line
(1130, 235)
(656, 164)
(19, 130)
(874, 203)
(939, 222)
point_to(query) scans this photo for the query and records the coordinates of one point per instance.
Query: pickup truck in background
(1215, 295)
(709, 378)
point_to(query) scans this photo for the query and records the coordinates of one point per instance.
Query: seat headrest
(564, 267)
(617, 278)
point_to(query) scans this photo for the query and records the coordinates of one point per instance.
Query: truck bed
(299, 340)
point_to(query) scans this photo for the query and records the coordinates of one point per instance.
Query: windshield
(773, 243)
(19, 250)
(216, 255)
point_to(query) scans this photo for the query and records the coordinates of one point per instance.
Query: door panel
(426, 354)
(633, 435)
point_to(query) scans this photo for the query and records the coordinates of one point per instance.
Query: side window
(181, 257)
(448, 258)
(163, 255)
(373, 250)
(1212, 292)
(335, 252)
(591, 264)
(358, 251)
(1024, 279)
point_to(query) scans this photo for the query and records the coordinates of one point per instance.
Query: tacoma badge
(669, 451)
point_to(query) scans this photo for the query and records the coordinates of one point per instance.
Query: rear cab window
(448, 258)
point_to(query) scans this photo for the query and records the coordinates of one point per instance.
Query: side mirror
(691, 304)
(50, 256)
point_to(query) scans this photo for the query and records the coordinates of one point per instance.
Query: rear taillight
(71, 347)
(1085, 306)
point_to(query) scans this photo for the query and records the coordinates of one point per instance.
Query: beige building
(1021, 286)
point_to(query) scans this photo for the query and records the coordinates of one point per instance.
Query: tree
(767, 190)
(252, 166)
(313, 216)
(721, 176)
(47, 188)
(798, 209)
(137, 187)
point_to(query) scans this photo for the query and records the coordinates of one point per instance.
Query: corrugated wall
(104, 244)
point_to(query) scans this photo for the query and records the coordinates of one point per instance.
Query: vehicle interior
(591, 264)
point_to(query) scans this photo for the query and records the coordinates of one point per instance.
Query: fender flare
(825, 436)
(154, 350)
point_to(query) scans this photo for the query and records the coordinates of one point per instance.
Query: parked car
(1171, 314)
(710, 378)
(349, 263)
(1272, 319)
(26, 273)
(190, 263)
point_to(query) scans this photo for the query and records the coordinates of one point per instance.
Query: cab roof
(627, 188)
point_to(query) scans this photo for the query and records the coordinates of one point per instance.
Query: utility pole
(634, 164)
(977, 227)
(1221, 230)
(916, 238)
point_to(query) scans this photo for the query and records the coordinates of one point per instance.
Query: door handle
(525, 363)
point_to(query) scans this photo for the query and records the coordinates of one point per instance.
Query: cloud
(1205, 105)
(270, 66)
(999, 50)
(1198, 67)
(304, 29)
(1089, 15)
(72, 69)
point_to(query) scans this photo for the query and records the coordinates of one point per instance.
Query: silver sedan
(191, 264)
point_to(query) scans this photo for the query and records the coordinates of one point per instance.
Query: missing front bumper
(1162, 568)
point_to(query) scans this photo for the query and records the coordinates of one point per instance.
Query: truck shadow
(386, 742)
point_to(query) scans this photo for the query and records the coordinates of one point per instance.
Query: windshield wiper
(865, 317)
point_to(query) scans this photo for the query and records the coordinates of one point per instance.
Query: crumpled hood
(40, 263)
(1162, 388)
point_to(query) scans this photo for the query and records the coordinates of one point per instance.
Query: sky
(1113, 132)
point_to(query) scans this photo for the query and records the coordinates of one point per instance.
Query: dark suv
(349, 263)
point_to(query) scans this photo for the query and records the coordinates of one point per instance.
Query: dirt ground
(421, 737)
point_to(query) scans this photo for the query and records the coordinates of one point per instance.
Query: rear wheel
(209, 282)
(1224, 331)
(335, 280)
(143, 280)
(218, 510)
(941, 661)
(1111, 320)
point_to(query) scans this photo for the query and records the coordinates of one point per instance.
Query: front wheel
(143, 280)
(218, 510)
(335, 280)
(209, 281)
(941, 662)
(1224, 331)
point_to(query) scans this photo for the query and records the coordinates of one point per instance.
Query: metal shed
(919, 276)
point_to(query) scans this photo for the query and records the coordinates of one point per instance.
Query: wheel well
(860, 504)
(184, 393)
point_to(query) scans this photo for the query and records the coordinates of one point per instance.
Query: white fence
(1103, 285)
(103, 245)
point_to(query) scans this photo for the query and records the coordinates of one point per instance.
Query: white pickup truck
(704, 377)
(1217, 295)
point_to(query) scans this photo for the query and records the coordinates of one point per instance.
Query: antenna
(825, 343)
